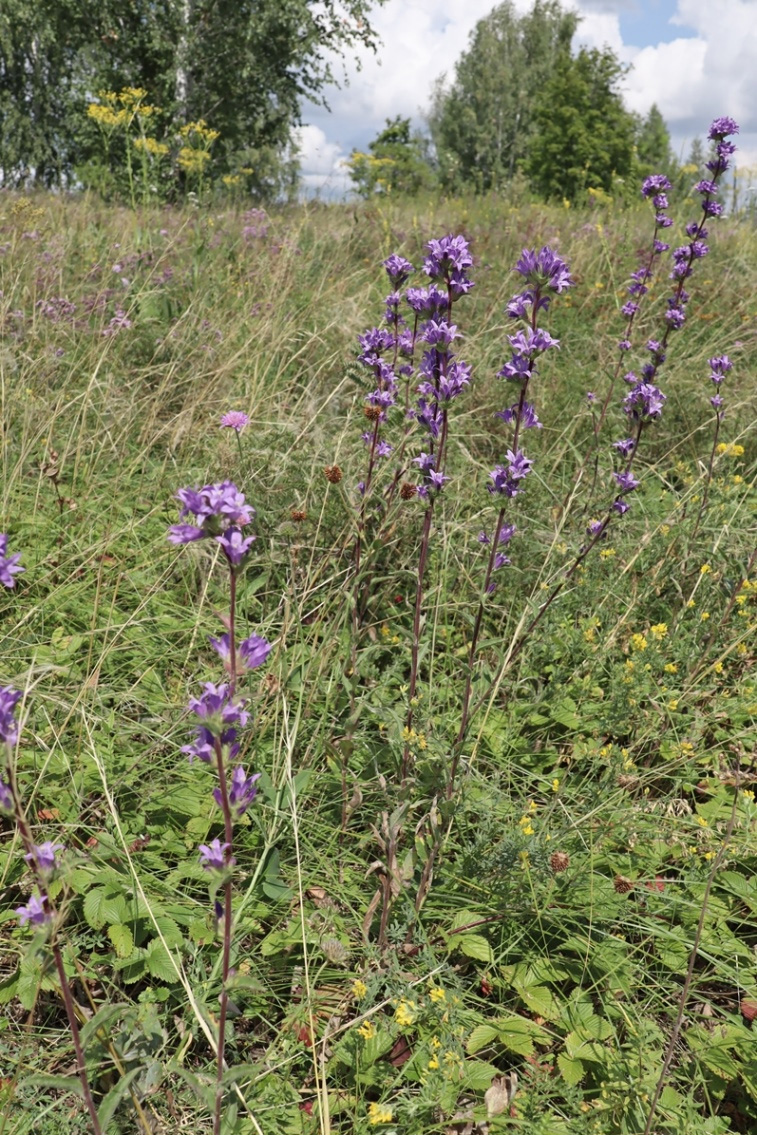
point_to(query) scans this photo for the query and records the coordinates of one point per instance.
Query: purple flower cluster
(251, 652)
(219, 715)
(242, 791)
(507, 479)
(686, 254)
(546, 274)
(719, 367)
(215, 856)
(500, 560)
(43, 856)
(9, 699)
(9, 565)
(235, 420)
(449, 259)
(220, 511)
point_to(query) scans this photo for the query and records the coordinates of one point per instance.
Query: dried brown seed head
(622, 885)
(333, 474)
(372, 413)
(298, 515)
(559, 861)
(408, 491)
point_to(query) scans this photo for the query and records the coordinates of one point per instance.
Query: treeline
(521, 104)
(241, 68)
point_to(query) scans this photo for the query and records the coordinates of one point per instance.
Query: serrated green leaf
(102, 1018)
(477, 1075)
(473, 946)
(540, 1000)
(571, 1069)
(170, 931)
(122, 939)
(92, 904)
(159, 964)
(9, 987)
(481, 1036)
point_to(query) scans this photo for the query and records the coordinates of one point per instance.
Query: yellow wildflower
(437, 994)
(367, 1030)
(673, 705)
(378, 1114)
(555, 785)
(671, 668)
(606, 553)
(433, 1064)
(718, 667)
(691, 603)
(359, 989)
(705, 616)
(638, 642)
(404, 1013)
(705, 569)
(659, 630)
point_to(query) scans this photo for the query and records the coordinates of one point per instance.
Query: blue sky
(696, 59)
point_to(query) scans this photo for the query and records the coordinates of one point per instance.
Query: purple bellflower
(242, 791)
(8, 725)
(35, 912)
(251, 652)
(42, 855)
(9, 565)
(213, 855)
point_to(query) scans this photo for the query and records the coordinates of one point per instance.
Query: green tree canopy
(243, 65)
(481, 122)
(583, 136)
(396, 162)
(653, 148)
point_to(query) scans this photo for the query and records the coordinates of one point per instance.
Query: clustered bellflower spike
(9, 565)
(36, 911)
(719, 367)
(443, 377)
(220, 511)
(43, 856)
(251, 652)
(219, 716)
(546, 275)
(242, 791)
(213, 856)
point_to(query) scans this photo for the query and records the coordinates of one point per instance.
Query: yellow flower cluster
(410, 737)
(192, 160)
(151, 146)
(404, 1014)
(658, 631)
(367, 1030)
(199, 130)
(359, 989)
(378, 1114)
(638, 642)
(730, 449)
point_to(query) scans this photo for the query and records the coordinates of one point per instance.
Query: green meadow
(565, 941)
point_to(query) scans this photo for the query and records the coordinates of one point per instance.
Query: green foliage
(396, 163)
(653, 150)
(583, 135)
(245, 65)
(481, 123)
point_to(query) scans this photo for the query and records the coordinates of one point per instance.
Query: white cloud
(706, 70)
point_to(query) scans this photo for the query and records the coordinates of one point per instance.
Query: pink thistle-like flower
(235, 420)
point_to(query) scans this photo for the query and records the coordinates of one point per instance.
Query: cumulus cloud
(693, 66)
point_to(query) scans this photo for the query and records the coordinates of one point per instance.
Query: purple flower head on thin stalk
(720, 364)
(35, 912)
(655, 184)
(213, 855)
(43, 856)
(721, 128)
(675, 317)
(218, 716)
(235, 420)
(398, 269)
(9, 565)
(214, 508)
(620, 506)
(426, 301)
(644, 403)
(624, 345)
(251, 652)
(242, 791)
(625, 447)
(595, 527)
(383, 449)
(507, 480)
(716, 402)
(373, 344)
(447, 256)
(235, 545)
(626, 481)
(544, 269)
(6, 797)
(591, 397)
(528, 418)
(438, 331)
(8, 724)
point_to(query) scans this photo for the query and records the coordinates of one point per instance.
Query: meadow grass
(604, 820)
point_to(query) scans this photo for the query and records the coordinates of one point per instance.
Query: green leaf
(9, 988)
(571, 1069)
(477, 1075)
(170, 931)
(540, 1000)
(122, 939)
(104, 1015)
(481, 1036)
(58, 1083)
(118, 1092)
(473, 946)
(159, 964)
